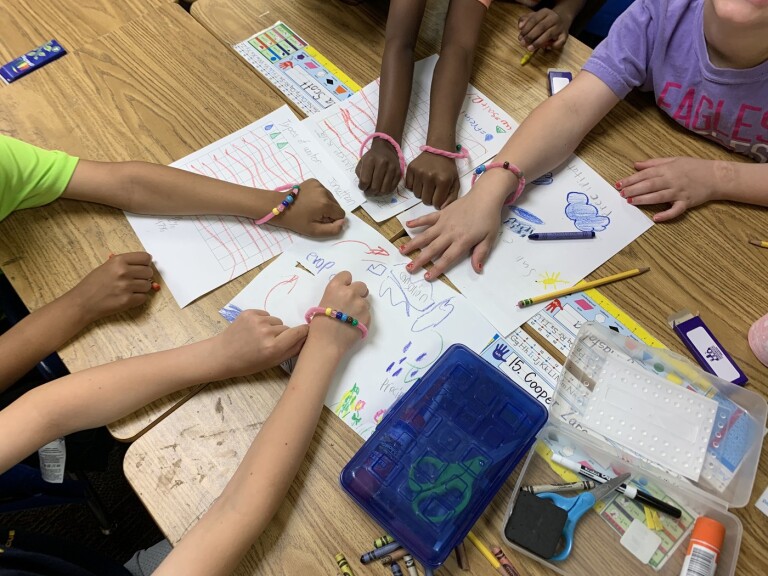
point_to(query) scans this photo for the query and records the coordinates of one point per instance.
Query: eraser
(31, 61)
(707, 351)
(557, 80)
(536, 524)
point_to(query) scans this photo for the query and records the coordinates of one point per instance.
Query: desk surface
(182, 465)
(29, 23)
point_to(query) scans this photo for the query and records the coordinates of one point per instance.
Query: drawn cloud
(584, 215)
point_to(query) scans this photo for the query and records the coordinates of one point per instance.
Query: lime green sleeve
(31, 176)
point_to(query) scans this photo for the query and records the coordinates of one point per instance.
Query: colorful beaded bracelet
(507, 166)
(392, 142)
(460, 153)
(331, 313)
(290, 199)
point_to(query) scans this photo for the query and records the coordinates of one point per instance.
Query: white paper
(196, 254)
(519, 268)
(481, 129)
(413, 321)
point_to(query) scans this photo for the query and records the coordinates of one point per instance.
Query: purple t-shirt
(659, 45)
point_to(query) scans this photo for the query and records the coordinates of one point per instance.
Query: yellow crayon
(526, 58)
(344, 566)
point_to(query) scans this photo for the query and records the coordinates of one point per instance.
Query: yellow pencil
(761, 243)
(579, 287)
(486, 552)
(526, 58)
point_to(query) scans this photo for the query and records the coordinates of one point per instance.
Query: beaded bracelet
(460, 153)
(507, 166)
(394, 144)
(290, 199)
(338, 316)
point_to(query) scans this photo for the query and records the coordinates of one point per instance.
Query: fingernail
(530, 48)
(428, 275)
(622, 194)
(629, 200)
(111, 254)
(618, 185)
(409, 266)
(480, 266)
(155, 286)
(402, 248)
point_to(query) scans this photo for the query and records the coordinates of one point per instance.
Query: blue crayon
(562, 235)
(396, 569)
(369, 557)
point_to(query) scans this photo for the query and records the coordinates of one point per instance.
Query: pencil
(526, 58)
(761, 243)
(579, 287)
(487, 553)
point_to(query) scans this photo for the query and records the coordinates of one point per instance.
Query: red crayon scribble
(352, 152)
(370, 118)
(263, 162)
(378, 251)
(231, 157)
(348, 122)
(278, 163)
(227, 168)
(290, 282)
(220, 241)
(255, 164)
(371, 107)
(298, 165)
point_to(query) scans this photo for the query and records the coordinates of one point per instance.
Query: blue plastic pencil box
(442, 452)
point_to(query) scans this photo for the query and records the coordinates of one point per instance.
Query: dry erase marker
(629, 491)
(562, 235)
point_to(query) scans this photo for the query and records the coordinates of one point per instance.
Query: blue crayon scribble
(501, 351)
(433, 316)
(268, 127)
(405, 348)
(584, 215)
(230, 312)
(525, 215)
(421, 357)
(518, 228)
(488, 137)
(377, 269)
(544, 180)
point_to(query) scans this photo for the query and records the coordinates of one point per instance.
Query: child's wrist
(495, 186)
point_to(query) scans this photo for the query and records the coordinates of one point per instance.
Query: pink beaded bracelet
(507, 166)
(460, 153)
(392, 142)
(290, 199)
(331, 313)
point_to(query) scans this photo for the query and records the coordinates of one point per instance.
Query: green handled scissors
(454, 481)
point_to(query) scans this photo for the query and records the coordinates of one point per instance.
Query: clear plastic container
(686, 436)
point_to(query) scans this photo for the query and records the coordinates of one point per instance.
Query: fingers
(419, 241)
(343, 278)
(364, 172)
(449, 257)
(442, 190)
(136, 299)
(135, 258)
(655, 197)
(323, 229)
(429, 253)
(290, 338)
(377, 179)
(392, 179)
(410, 174)
(417, 184)
(642, 188)
(480, 254)
(676, 210)
(360, 289)
(560, 41)
(650, 163)
(427, 190)
(332, 208)
(426, 220)
(633, 179)
(529, 21)
(452, 195)
(139, 286)
(542, 40)
(140, 272)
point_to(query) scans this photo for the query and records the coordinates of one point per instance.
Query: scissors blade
(601, 491)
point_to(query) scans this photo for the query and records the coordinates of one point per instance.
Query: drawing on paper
(518, 227)
(550, 280)
(526, 215)
(413, 363)
(544, 180)
(585, 216)
(349, 405)
(554, 305)
(280, 290)
(230, 312)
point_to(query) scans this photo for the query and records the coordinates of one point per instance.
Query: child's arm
(543, 141)
(146, 188)
(221, 538)
(688, 182)
(548, 28)
(432, 177)
(379, 168)
(121, 283)
(97, 396)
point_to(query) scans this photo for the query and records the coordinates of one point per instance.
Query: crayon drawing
(196, 254)
(550, 280)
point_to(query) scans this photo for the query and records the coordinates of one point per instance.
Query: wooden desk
(132, 94)
(29, 23)
(701, 261)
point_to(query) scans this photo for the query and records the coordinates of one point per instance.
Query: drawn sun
(550, 280)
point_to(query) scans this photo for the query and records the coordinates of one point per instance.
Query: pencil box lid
(655, 409)
(442, 452)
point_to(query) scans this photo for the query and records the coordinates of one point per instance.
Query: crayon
(571, 486)
(410, 564)
(461, 556)
(562, 235)
(487, 553)
(344, 566)
(504, 561)
(383, 541)
(526, 58)
(378, 553)
(396, 571)
(394, 557)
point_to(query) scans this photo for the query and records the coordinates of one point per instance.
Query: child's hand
(314, 213)
(350, 298)
(682, 182)
(379, 169)
(254, 342)
(434, 179)
(122, 282)
(469, 225)
(544, 28)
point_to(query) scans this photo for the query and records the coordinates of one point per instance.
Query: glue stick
(704, 548)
